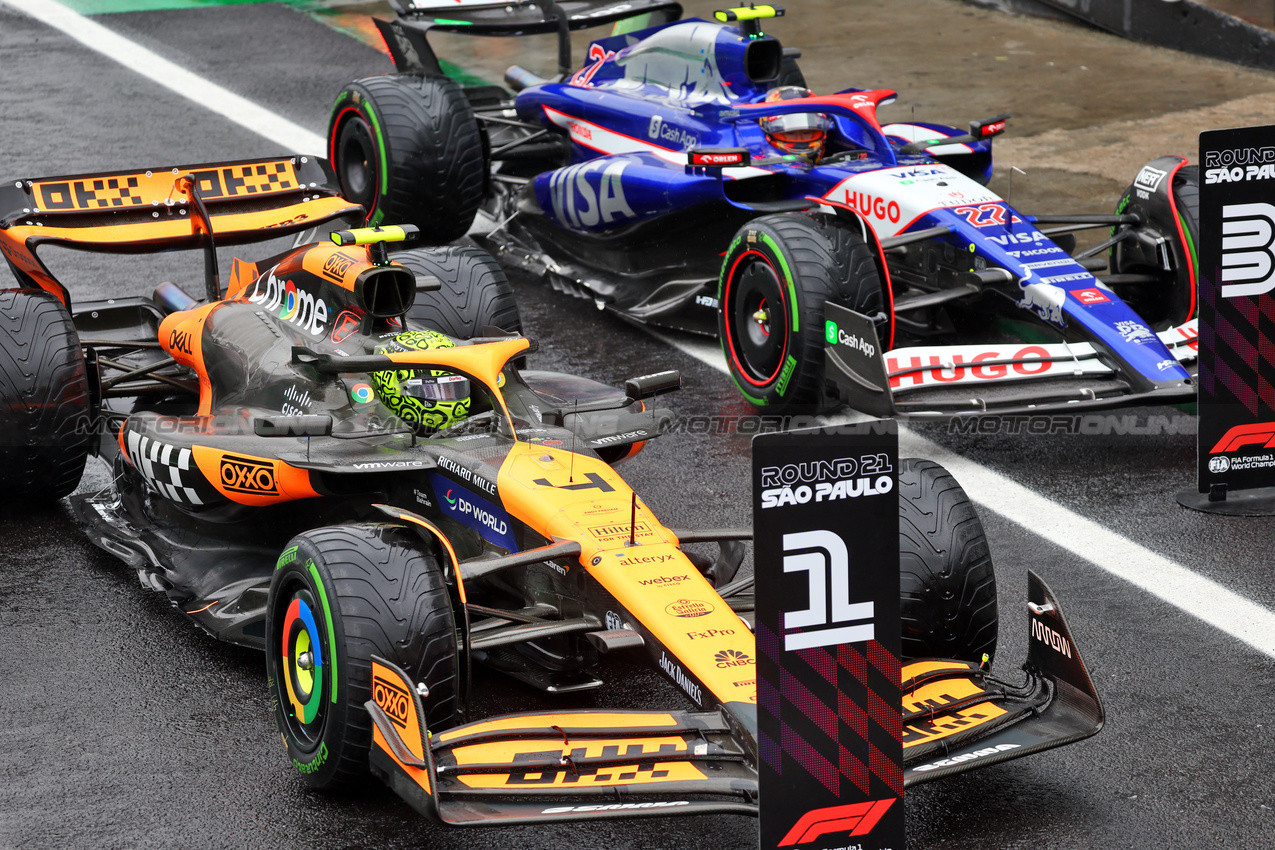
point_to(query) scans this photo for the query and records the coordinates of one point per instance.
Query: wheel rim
(303, 664)
(356, 153)
(757, 327)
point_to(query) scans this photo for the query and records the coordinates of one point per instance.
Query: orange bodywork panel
(251, 480)
(585, 500)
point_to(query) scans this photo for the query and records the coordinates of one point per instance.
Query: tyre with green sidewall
(475, 293)
(45, 406)
(408, 149)
(345, 593)
(947, 583)
(799, 261)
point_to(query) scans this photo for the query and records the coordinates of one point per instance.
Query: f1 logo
(1248, 231)
(823, 557)
(1256, 434)
(856, 818)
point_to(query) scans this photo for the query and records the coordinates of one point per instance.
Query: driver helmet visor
(427, 387)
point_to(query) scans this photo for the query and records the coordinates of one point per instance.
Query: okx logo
(1248, 264)
(830, 618)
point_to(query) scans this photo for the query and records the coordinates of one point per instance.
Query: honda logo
(822, 556)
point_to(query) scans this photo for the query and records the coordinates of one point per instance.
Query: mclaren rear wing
(162, 209)
(1010, 378)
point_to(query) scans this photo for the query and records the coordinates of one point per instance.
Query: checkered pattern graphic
(835, 732)
(162, 466)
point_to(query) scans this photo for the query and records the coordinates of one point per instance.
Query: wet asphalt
(123, 725)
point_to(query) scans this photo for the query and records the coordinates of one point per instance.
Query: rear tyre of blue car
(474, 292)
(46, 424)
(775, 278)
(340, 595)
(408, 149)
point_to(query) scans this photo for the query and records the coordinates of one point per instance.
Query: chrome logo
(289, 302)
(361, 393)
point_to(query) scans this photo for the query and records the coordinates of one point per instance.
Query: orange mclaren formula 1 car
(339, 461)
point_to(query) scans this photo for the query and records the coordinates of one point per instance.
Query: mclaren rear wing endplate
(151, 210)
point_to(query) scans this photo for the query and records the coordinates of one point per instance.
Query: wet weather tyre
(340, 595)
(775, 278)
(1171, 299)
(947, 585)
(45, 408)
(409, 150)
(475, 292)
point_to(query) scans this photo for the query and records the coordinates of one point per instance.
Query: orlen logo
(393, 700)
(1090, 296)
(248, 475)
(1248, 264)
(856, 819)
(823, 557)
(1260, 434)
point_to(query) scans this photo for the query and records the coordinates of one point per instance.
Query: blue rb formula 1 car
(684, 177)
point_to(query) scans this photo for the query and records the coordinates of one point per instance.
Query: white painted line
(291, 137)
(1164, 579)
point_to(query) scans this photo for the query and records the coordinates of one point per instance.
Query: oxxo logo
(823, 557)
(1248, 264)
(248, 475)
(393, 700)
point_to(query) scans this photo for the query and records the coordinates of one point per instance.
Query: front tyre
(340, 595)
(776, 276)
(947, 584)
(408, 149)
(1170, 212)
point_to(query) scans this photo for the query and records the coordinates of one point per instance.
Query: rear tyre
(776, 276)
(790, 74)
(947, 585)
(1170, 300)
(45, 410)
(475, 292)
(340, 595)
(409, 150)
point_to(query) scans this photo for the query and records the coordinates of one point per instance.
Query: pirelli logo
(248, 475)
(393, 700)
(149, 188)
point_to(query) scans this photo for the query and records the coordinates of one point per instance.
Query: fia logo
(1248, 264)
(822, 556)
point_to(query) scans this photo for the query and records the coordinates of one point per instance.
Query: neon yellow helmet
(429, 400)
